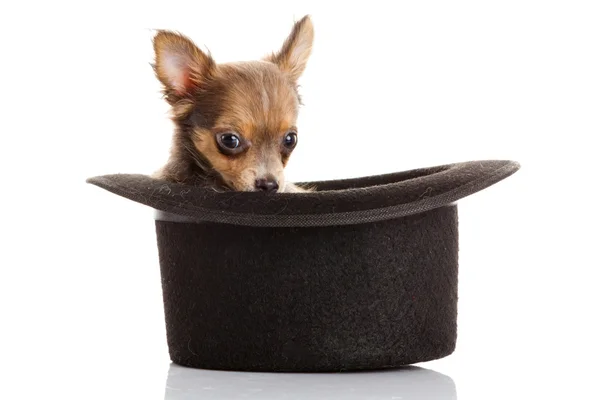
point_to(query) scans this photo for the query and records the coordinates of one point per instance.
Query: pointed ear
(296, 49)
(179, 65)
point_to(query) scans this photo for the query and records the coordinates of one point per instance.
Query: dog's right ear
(180, 65)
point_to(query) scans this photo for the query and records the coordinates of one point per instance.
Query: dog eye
(290, 140)
(229, 141)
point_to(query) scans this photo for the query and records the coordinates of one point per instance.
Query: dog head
(237, 120)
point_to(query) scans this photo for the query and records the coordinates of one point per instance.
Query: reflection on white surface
(410, 383)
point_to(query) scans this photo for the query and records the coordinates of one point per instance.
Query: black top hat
(360, 274)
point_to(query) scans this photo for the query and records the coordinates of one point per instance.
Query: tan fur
(256, 100)
(296, 49)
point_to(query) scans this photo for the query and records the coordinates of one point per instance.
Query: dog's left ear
(295, 51)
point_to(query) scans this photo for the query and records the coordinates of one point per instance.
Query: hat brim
(335, 202)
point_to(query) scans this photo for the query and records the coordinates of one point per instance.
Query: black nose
(268, 184)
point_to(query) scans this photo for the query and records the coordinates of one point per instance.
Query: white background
(390, 86)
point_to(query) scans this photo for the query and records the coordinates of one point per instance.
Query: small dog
(235, 122)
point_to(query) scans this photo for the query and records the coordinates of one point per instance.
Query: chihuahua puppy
(235, 123)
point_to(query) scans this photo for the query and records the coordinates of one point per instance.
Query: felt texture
(361, 274)
(349, 201)
(353, 297)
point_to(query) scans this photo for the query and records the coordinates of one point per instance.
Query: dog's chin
(236, 188)
(244, 187)
(239, 187)
(251, 189)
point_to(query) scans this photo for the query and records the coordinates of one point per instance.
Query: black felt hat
(361, 274)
